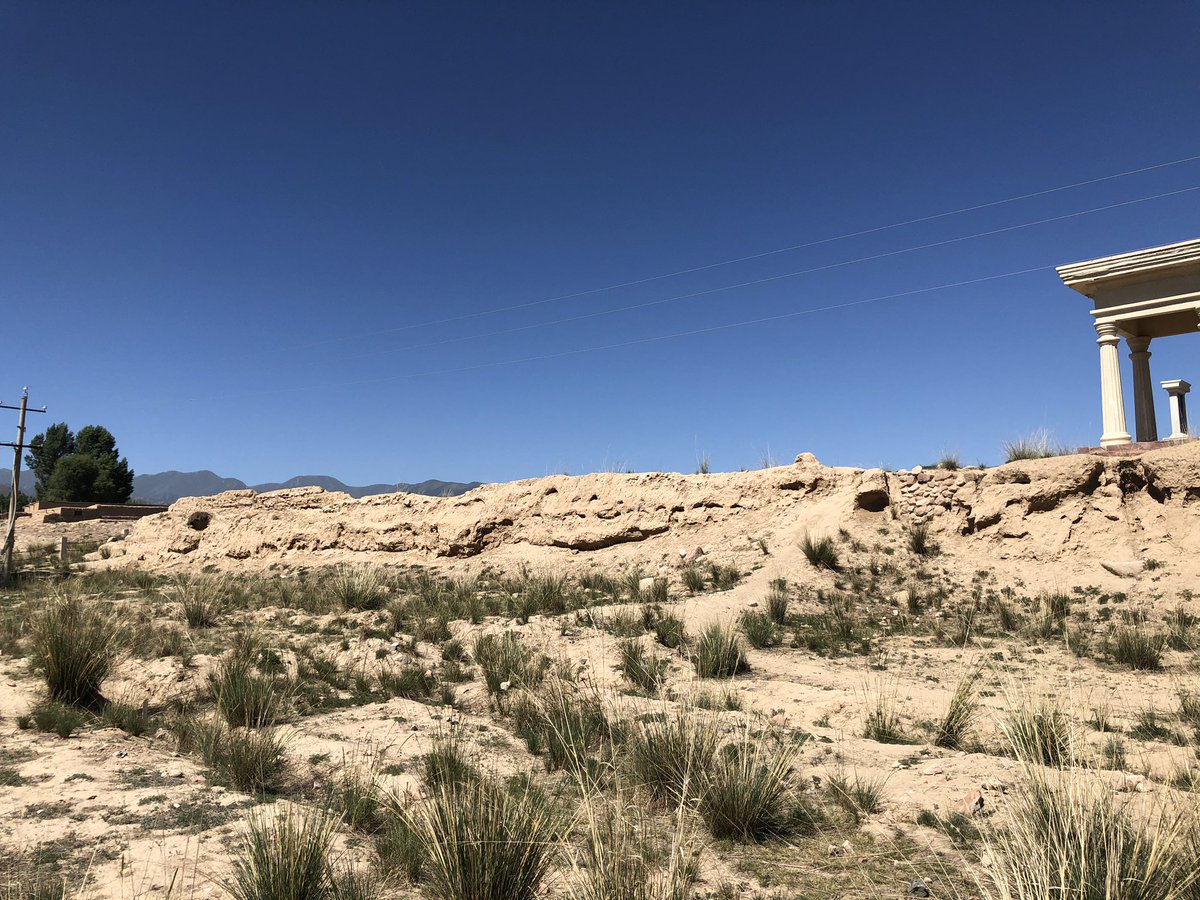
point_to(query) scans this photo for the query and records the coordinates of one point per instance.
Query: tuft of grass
(620, 860)
(856, 795)
(718, 653)
(668, 755)
(413, 682)
(400, 847)
(1137, 648)
(641, 666)
(505, 659)
(1112, 751)
(286, 857)
(777, 601)
(250, 760)
(919, 541)
(76, 644)
(881, 722)
(693, 579)
(358, 587)
(951, 732)
(575, 726)
(447, 764)
(356, 792)
(820, 552)
(748, 795)
(723, 577)
(133, 719)
(53, 718)
(949, 461)
(1049, 617)
(202, 599)
(243, 695)
(1189, 705)
(728, 700)
(1069, 835)
(1151, 725)
(483, 842)
(668, 630)
(1039, 732)
(1036, 445)
(759, 628)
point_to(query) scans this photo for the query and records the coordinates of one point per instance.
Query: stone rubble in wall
(927, 493)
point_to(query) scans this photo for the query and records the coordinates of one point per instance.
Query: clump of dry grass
(243, 695)
(286, 857)
(1069, 835)
(1038, 731)
(718, 653)
(881, 721)
(620, 858)
(667, 755)
(76, 643)
(641, 666)
(748, 792)
(201, 598)
(506, 662)
(820, 552)
(358, 587)
(951, 732)
(483, 842)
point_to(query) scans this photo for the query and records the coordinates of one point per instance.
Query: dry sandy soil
(1117, 537)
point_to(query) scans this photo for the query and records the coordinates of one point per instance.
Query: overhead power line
(753, 256)
(768, 279)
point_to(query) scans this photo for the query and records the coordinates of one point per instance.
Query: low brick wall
(76, 512)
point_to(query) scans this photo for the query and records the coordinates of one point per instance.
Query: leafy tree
(114, 480)
(45, 451)
(74, 479)
(23, 500)
(85, 467)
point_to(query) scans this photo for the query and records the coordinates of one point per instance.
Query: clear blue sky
(220, 223)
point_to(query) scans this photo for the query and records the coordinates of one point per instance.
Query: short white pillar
(1112, 400)
(1143, 389)
(1176, 391)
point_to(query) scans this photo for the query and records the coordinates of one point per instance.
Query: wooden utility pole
(10, 534)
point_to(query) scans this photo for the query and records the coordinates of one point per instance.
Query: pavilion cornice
(1084, 276)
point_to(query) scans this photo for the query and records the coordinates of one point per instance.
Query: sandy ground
(146, 821)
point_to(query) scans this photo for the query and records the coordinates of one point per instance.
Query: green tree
(45, 451)
(74, 479)
(23, 500)
(114, 480)
(86, 467)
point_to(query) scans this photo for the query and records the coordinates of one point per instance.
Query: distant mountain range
(167, 487)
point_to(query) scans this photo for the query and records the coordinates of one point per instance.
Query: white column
(1176, 391)
(1111, 399)
(1143, 389)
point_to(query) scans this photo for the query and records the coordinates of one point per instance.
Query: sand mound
(1080, 511)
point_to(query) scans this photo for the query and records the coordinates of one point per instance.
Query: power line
(732, 261)
(656, 338)
(766, 280)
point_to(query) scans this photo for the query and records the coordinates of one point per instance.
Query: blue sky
(224, 227)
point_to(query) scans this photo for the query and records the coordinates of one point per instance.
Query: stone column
(1143, 389)
(1112, 400)
(1177, 390)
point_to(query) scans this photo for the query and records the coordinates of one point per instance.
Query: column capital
(1175, 386)
(1138, 345)
(1107, 332)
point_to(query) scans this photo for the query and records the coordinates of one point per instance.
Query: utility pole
(10, 535)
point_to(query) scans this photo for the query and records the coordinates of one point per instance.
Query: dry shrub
(76, 645)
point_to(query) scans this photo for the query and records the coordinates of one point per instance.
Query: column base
(1115, 440)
